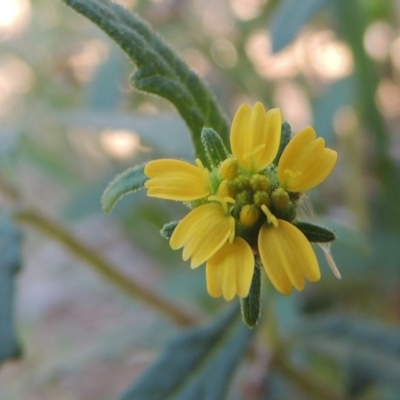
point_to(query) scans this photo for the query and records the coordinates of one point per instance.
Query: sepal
(168, 229)
(251, 305)
(315, 233)
(129, 181)
(286, 134)
(214, 147)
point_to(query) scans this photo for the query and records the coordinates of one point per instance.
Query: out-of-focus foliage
(70, 122)
(10, 264)
(289, 18)
(199, 364)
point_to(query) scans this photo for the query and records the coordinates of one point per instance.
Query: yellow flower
(287, 256)
(203, 232)
(230, 270)
(305, 162)
(177, 180)
(255, 136)
(246, 207)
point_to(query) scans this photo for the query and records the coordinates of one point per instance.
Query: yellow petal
(177, 180)
(287, 256)
(305, 162)
(255, 136)
(202, 233)
(230, 270)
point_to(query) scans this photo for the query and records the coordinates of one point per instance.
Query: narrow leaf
(315, 233)
(197, 365)
(251, 305)
(129, 181)
(159, 70)
(10, 264)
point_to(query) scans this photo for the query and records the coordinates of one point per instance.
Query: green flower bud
(249, 215)
(280, 199)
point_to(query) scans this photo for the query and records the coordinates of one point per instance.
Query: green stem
(104, 268)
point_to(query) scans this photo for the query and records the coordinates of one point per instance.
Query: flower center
(270, 217)
(223, 201)
(252, 198)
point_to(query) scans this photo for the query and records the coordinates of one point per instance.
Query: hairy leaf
(315, 233)
(10, 264)
(251, 305)
(129, 181)
(159, 70)
(198, 365)
(214, 147)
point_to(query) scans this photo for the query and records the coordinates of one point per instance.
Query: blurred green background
(70, 122)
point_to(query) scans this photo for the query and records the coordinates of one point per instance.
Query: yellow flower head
(246, 206)
(255, 136)
(305, 162)
(177, 180)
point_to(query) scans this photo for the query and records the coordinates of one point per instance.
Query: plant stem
(105, 268)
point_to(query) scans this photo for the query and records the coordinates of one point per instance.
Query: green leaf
(129, 181)
(289, 18)
(198, 365)
(160, 71)
(10, 264)
(214, 147)
(315, 233)
(251, 305)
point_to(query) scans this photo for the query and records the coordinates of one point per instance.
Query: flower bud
(229, 168)
(224, 189)
(249, 215)
(280, 199)
(260, 182)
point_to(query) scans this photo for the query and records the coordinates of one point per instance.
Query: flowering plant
(246, 212)
(244, 208)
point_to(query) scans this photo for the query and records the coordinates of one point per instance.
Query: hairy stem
(105, 268)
